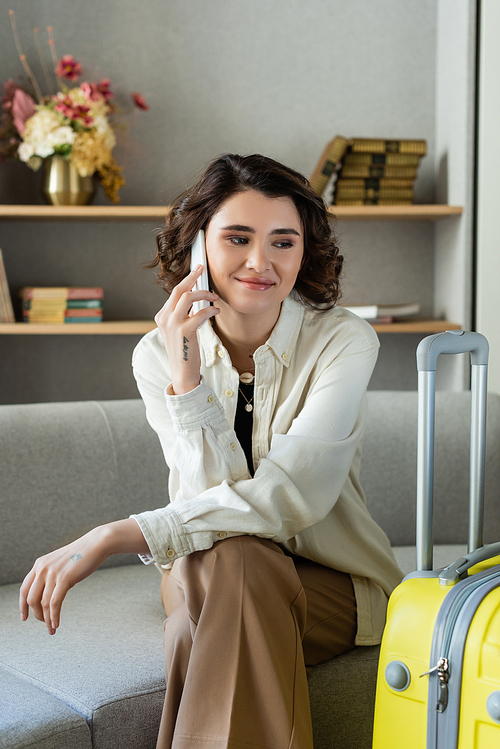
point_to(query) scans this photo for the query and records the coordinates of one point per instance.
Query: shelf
(158, 212)
(417, 326)
(140, 327)
(84, 212)
(116, 327)
(395, 212)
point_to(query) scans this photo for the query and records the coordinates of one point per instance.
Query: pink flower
(67, 67)
(103, 88)
(97, 91)
(73, 111)
(139, 101)
(23, 107)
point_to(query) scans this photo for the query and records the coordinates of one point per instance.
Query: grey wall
(277, 77)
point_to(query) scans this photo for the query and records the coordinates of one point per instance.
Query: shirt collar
(281, 341)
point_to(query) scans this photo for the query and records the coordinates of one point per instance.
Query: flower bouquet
(75, 123)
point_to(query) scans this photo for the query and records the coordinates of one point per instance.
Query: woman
(270, 560)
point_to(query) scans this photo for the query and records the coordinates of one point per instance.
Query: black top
(243, 422)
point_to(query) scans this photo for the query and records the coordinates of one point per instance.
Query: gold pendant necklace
(248, 406)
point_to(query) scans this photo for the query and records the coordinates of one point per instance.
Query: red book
(61, 292)
(83, 313)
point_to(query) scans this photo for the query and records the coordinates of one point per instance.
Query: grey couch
(99, 682)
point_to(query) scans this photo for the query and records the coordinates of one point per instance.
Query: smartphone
(199, 257)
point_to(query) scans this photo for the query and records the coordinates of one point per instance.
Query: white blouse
(309, 414)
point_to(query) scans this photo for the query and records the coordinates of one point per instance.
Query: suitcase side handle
(450, 342)
(458, 569)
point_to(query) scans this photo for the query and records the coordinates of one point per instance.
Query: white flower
(61, 136)
(40, 125)
(103, 128)
(44, 149)
(25, 151)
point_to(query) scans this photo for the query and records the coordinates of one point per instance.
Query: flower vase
(63, 185)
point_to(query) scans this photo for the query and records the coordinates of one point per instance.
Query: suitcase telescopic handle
(450, 342)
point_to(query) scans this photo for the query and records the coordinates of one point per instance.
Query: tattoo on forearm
(76, 557)
(185, 348)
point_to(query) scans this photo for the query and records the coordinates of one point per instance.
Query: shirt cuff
(200, 407)
(164, 535)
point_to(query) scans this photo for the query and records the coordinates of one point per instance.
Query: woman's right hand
(178, 331)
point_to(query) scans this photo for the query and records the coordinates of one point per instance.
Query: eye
(285, 244)
(238, 240)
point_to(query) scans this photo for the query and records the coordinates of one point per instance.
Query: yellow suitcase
(438, 683)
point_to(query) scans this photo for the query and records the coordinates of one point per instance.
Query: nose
(258, 258)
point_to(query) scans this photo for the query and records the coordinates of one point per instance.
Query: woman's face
(255, 246)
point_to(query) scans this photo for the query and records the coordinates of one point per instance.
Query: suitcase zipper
(450, 634)
(443, 666)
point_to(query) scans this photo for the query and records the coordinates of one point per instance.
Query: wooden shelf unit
(145, 213)
(158, 212)
(140, 327)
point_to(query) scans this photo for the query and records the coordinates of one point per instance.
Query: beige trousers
(245, 619)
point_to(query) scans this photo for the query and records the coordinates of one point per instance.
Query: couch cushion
(342, 694)
(105, 662)
(67, 467)
(389, 466)
(32, 718)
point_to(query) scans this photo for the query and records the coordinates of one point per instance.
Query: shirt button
(229, 393)
(221, 354)
(170, 553)
(232, 446)
(222, 534)
(284, 356)
(211, 399)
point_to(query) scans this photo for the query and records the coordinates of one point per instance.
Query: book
(385, 145)
(57, 320)
(375, 311)
(372, 201)
(62, 303)
(61, 292)
(6, 309)
(401, 193)
(376, 183)
(329, 161)
(378, 170)
(50, 312)
(82, 319)
(391, 159)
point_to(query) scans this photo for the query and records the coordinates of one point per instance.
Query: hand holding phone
(199, 257)
(178, 321)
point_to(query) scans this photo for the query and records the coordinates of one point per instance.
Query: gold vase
(63, 185)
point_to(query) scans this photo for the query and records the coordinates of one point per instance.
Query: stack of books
(6, 310)
(377, 314)
(368, 171)
(61, 304)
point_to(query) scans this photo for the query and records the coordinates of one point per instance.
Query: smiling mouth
(256, 284)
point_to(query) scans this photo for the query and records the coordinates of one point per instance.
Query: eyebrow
(241, 227)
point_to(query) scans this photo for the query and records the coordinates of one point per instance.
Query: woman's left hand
(46, 585)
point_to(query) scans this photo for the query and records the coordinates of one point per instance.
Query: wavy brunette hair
(317, 283)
